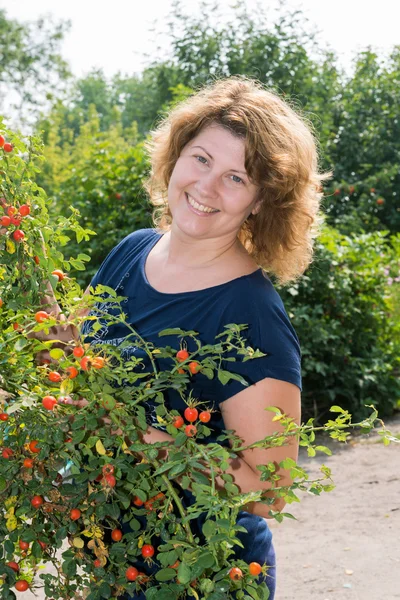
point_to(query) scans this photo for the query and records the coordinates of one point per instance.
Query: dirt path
(345, 544)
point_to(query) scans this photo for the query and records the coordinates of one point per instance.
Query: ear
(257, 207)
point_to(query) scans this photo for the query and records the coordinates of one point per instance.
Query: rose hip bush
(73, 468)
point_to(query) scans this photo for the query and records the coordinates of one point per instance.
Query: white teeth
(200, 206)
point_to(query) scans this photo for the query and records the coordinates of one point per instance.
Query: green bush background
(346, 307)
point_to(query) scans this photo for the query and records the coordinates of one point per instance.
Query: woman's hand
(65, 335)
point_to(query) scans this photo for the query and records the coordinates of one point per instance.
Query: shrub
(344, 312)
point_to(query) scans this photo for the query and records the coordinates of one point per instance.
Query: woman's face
(210, 175)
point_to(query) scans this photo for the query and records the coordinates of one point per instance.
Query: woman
(236, 191)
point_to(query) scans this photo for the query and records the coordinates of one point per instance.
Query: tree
(31, 66)
(364, 146)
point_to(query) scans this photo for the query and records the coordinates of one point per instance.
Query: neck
(182, 251)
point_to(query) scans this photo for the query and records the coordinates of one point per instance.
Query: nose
(207, 185)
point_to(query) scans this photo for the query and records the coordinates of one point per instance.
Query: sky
(113, 35)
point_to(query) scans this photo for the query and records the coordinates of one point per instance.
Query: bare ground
(345, 544)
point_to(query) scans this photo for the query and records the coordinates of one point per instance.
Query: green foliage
(100, 174)
(363, 146)
(345, 313)
(86, 451)
(30, 63)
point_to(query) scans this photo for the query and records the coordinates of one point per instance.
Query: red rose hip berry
(5, 221)
(21, 585)
(182, 355)
(78, 351)
(131, 573)
(191, 414)
(55, 377)
(59, 274)
(235, 573)
(116, 535)
(178, 422)
(49, 402)
(18, 235)
(23, 545)
(37, 501)
(41, 316)
(194, 367)
(190, 430)
(255, 568)
(205, 416)
(24, 210)
(147, 551)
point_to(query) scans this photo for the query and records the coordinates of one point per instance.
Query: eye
(238, 179)
(201, 159)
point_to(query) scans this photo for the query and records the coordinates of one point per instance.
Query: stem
(135, 333)
(203, 454)
(304, 429)
(177, 502)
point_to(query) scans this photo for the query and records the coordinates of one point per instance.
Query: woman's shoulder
(255, 292)
(137, 237)
(258, 303)
(115, 262)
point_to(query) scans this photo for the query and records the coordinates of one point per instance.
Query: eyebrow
(208, 154)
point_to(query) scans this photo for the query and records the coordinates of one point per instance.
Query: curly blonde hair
(281, 158)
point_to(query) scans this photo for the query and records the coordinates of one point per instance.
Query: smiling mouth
(200, 207)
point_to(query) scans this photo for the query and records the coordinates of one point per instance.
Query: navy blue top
(250, 299)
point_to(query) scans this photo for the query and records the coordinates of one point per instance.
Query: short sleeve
(113, 266)
(269, 330)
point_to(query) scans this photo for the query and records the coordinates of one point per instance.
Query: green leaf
(180, 439)
(140, 494)
(171, 331)
(20, 344)
(184, 573)
(56, 353)
(224, 523)
(113, 511)
(134, 524)
(252, 590)
(69, 567)
(152, 593)
(209, 528)
(185, 482)
(206, 560)
(165, 574)
(224, 376)
(200, 478)
(263, 591)
(177, 470)
(66, 386)
(105, 590)
(3, 484)
(78, 436)
(209, 373)
(324, 449)
(164, 467)
(231, 488)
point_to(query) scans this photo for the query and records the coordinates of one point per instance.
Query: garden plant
(74, 471)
